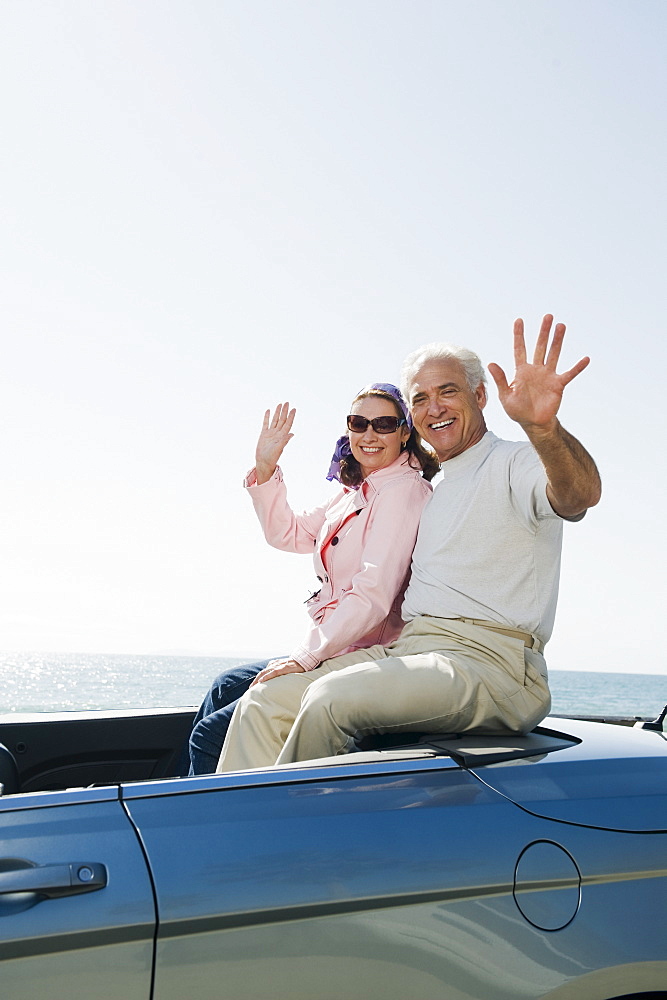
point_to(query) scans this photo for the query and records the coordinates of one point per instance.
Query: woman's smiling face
(375, 451)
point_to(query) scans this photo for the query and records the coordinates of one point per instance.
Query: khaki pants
(440, 675)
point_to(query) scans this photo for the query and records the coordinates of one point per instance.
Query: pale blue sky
(209, 207)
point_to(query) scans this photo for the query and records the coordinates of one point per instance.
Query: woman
(363, 540)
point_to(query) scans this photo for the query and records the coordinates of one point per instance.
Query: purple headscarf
(342, 449)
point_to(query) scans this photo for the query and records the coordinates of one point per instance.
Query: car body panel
(614, 781)
(455, 868)
(404, 882)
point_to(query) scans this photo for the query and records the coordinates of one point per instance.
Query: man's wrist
(542, 433)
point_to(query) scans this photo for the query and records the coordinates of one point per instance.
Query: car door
(398, 874)
(77, 913)
(390, 879)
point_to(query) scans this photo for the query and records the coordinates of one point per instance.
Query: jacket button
(334, 540)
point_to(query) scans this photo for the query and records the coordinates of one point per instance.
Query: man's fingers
(556, 345)
(542, 340)
(575, 370)
(498, 376)
(540, 356)
(519, 343)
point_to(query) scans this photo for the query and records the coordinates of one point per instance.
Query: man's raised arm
(533, 399)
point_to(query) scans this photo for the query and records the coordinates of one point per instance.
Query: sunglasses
(381, 425)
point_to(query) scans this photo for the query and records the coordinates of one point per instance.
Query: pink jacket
(363, 542)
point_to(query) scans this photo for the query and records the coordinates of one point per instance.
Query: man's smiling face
(445, 410)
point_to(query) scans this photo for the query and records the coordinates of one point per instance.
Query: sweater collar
(460, 464)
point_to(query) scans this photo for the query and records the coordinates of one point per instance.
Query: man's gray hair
(469, 361)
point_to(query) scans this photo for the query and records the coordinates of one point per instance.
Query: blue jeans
(215, 713)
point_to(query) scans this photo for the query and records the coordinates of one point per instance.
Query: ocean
(62, 682)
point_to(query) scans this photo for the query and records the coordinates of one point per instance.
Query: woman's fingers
(277, 669)
(282, 415)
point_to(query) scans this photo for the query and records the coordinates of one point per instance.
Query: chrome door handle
(17, 875)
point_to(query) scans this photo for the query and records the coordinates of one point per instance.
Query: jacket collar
(377, 479)
(372, 485)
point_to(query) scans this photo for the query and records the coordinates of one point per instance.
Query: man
(482, 596)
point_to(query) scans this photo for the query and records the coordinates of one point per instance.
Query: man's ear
(481, 395)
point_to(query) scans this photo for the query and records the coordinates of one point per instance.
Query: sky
(212, 207)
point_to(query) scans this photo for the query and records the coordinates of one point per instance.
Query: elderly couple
(461, 647)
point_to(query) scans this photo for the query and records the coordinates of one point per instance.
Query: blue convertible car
(445, 868)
